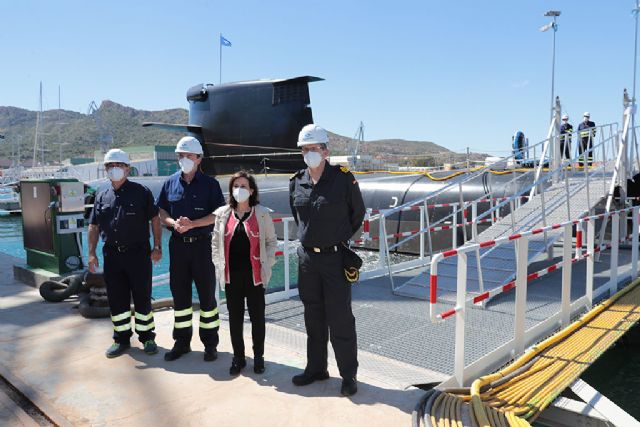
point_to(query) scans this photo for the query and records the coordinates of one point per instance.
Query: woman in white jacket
(244, 250)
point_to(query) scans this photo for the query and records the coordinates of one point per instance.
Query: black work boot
(210, 354)
(176, 352)
(237, 364)
(258, 365)
(307, 378)
(117, 349)
(349, 387)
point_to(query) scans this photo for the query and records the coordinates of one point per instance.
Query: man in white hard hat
(328, 208)
(566, 129)
(587, 132)
(187, 201)
(121, 215)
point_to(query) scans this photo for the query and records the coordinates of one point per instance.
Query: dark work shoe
(349, 387)
(150, 347)
(237, 365)
(306, 378)
(176, 352)
(258, 365)
(117, 349)
(210, 354)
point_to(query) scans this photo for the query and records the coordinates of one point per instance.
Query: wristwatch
(157, 248)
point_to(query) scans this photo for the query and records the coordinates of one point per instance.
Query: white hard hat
(565, 117)
(586, 114)
(312, 134)
(116, 155)
(189, 144)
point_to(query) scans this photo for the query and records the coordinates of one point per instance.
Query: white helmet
(312, 134)
(565, 117)
(189, 144)
(116, 155)
(586, 114)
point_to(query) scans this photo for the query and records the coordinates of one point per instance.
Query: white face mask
(115, 174)
(313, 159)
(241, 194)
(186, 164)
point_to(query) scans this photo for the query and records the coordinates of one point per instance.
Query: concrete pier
(56, 358)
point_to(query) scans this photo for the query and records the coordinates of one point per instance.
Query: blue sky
(458, 73)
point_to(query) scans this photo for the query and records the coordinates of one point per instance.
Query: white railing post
(634, 243)
(382, 239)
(428, 225)
(566, 276)
(454, 228)
(463, 216)
(474, 223)
(522, 248)
(615, 242)
(285, 252)
(591, 237)
(461, 288)
(422, 231)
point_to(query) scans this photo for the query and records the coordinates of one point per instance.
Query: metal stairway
(562, 201)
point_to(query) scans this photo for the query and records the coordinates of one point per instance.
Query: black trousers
(326, 296)
(127, 274)
(565, 147)
(241, 288)
(586, 149)
(191, 262)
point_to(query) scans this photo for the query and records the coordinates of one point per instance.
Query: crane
(104, 133)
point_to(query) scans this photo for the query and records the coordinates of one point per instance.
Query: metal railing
(522, 336)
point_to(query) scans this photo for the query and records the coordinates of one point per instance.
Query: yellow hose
(551, 366)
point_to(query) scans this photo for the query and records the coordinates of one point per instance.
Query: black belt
(325, 250)
(190, 239)
(123, 248)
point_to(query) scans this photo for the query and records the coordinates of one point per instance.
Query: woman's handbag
(352, 264)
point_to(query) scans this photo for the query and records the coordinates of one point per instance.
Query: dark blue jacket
(123, 215)
(328, 212)
(195, 200)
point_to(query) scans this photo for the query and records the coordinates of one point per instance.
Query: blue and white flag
(224, 42)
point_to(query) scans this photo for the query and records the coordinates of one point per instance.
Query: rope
(517, 394)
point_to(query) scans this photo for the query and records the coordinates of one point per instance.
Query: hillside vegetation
(80, 136)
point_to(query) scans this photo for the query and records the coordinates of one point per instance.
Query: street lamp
(554, 26)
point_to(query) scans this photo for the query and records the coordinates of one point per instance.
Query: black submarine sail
(250, 124)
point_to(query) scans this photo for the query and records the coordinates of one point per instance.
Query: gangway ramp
(519, 393)
(571, 198)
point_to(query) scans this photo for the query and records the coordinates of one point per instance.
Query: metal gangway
(562, 189)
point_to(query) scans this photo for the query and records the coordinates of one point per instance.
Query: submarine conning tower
(250, 124)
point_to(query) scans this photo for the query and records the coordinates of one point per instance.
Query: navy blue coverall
(327, 214)
(190, 255)
(587, 132)
(123, 217)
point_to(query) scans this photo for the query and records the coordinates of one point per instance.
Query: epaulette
(344, 169)
(298, 174)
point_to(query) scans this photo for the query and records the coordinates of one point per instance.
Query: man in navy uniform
(565, 138)
(328, 208)
(587, 131)
(121, 215)
(187, 201)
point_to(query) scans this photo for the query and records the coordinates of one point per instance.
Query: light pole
(554, 26)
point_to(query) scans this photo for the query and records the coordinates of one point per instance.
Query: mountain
(81, 136)
(80, 133)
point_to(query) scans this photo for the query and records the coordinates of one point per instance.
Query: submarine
(254, 125)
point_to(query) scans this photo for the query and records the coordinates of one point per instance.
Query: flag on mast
(224, 42)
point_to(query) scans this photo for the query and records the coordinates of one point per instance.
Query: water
(616, 374)
(11, 243)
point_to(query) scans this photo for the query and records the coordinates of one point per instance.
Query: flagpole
(220, 44)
